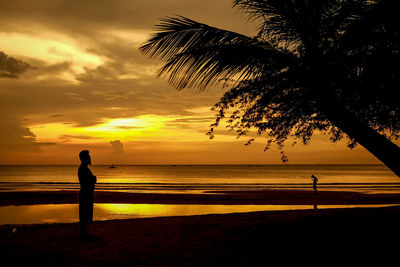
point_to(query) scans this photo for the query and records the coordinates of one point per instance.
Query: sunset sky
(72, 78)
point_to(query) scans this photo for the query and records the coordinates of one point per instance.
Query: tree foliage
(310, 60)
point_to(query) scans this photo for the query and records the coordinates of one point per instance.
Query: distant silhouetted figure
(315, 180)
(86, 195)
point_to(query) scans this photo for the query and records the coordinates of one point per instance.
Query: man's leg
(83, 213)
(90, 207)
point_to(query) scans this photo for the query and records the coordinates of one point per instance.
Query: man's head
(85, 157)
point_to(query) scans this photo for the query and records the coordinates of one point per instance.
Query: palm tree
(326, 65)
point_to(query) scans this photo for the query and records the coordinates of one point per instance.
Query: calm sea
(203, 178)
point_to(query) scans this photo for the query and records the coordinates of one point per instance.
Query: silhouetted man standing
(86, 196)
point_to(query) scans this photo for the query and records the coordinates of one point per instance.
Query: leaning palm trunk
(377, 144)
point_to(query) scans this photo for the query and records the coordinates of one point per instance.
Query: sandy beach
(312, 237)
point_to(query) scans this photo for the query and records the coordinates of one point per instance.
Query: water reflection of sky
(64, 213)
(202, 187)
(201, 178)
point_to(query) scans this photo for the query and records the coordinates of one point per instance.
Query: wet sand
(279, 197)
(313, 237)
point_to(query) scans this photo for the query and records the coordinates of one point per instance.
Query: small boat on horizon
(112, 166)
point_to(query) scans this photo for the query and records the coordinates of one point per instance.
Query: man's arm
(92, 178)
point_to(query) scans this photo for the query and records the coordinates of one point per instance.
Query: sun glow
(127, 129)
(117, 125)
(124, 129)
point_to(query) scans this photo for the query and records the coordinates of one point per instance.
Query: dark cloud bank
(11, 67)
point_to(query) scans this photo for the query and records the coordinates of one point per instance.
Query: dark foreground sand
(341, 237)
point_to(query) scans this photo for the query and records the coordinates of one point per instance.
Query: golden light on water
(138, 209)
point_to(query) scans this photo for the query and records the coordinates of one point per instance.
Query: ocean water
(203, 178)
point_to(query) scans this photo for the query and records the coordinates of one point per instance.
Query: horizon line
(200, 164)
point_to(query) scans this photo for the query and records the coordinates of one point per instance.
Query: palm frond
(279, 19)
(373, 23)
(301, 23)
(198, 55)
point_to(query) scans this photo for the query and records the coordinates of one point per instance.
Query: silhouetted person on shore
(315, 180)
(86, 195)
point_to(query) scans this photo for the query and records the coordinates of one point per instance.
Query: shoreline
(261, 197)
